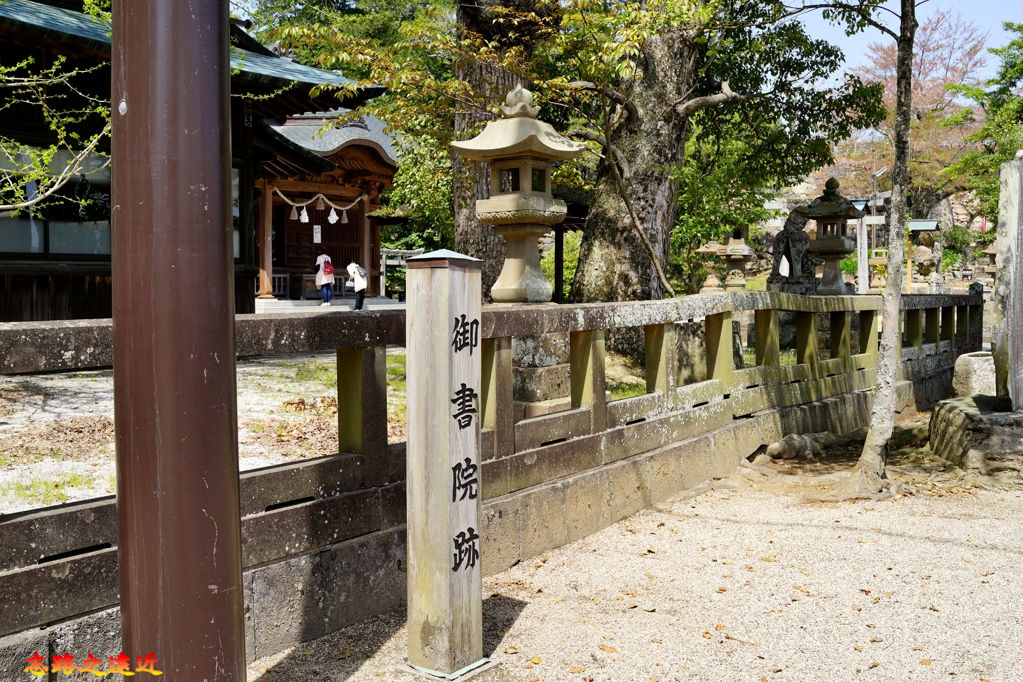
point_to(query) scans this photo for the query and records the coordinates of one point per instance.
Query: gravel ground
(743, 583)
(57, 437)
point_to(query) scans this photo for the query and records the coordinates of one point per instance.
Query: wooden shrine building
(325, 207)
(55, 257)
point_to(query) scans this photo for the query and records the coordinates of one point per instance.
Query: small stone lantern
(737, 253)
(520, 150)
(710, 252)
(832, 242)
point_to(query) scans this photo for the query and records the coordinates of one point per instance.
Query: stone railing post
(765, 323)
(720, 361)
(976, 329)
(963, 325)
(806, 341)
(914, 331)
(841, 336)
(362, 408)
(662, 360)
(948, 325)
(445, 606)
(587, 375)
(932, 326)
(498, 395)
(868, 333)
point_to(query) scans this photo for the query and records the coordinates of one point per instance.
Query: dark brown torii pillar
(174, 371)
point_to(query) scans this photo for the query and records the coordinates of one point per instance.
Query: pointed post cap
(519, 102)
(443, 258)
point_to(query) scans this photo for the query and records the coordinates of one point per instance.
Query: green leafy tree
(652, 74)
(626, 77)
(948, 55)
(1001, 132)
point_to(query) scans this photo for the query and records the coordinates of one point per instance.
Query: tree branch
(72, 168)
(609, 92)
(859, 9)
(706, 101)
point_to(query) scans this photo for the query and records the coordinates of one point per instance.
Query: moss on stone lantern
(520, 150)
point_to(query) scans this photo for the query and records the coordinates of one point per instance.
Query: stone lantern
(520, 150)
(832, 242)
(710, 252)
(737, 253)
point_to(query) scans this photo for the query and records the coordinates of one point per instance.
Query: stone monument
(796, 254)
(832, 212)
(1007, 344)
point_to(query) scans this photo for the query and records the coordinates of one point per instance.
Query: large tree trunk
(613, 264)
(869, 475)
(472, 178)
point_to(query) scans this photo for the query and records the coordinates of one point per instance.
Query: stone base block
(525, 410)
(974, 374)
(982, 424)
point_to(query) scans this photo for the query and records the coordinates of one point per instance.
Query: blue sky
(987, 15)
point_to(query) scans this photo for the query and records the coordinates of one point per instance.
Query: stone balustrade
(323, 539)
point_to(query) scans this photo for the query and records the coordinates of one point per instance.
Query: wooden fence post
(445, 605)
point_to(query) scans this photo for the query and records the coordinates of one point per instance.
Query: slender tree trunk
(869, 475)
(613, 264)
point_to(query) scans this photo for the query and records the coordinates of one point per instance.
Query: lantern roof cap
(520, 133)
(830, 204)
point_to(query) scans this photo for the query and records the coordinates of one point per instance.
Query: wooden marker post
(444, 352)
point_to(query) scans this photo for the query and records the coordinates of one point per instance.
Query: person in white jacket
(358, 275)
(324, 279)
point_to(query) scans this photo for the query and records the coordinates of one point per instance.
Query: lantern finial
(519, 102)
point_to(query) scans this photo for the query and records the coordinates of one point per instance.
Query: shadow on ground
(343, 655)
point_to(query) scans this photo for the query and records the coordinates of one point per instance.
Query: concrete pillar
(948, 324)
(720, 361)
(362, 407)
(587, 375)
(841, 335)
(444, 356)
(977, 329)
(498, 394)
(806, 341)
(932, 326)
(765, 323)
(1007, 343)
(868, 333)
(963, 323)
(914, 330)
(661, 360)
